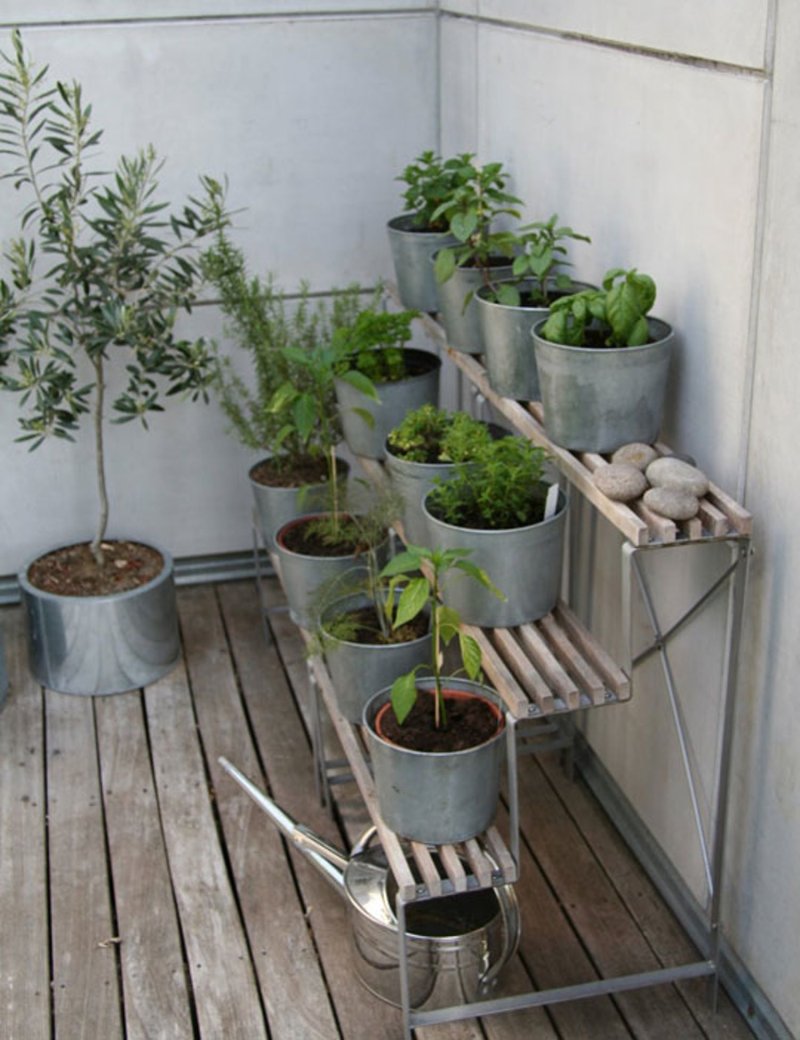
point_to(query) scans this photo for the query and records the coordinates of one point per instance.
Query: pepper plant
(420, 571)
(99, 269)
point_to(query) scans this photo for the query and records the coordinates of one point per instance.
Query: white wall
(310, 114)
(665, 132)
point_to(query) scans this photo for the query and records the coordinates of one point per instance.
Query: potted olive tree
(425, 448)
(508, 309)
(436, 742)
(603, 363)
(272, 330)
(482, 253)
(100, 269)
(379, 379)
(416, 235)
(503, 510)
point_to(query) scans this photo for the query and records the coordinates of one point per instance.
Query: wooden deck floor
(143, 895)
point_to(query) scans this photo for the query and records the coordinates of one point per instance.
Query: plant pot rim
(434, 362)
(43, 594)
(305, 518)
(348, 642)
(401, 224)
(502, 531)
(410, 462)
(341, 464)
(482, 293)
(467, 687)
(664, 334)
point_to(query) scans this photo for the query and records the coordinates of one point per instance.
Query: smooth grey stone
(635, 454)
(674, 473)
(673, 503)
(620, 481)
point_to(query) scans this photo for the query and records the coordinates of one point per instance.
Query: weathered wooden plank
(225, 992)
(284, 748)
(24, 945)
(499, 673)
(614, 677)
(609, 933)
(714, 520)
(156, 997)
(86, 995)
(288, 971)
(575, 664)
(524, 668)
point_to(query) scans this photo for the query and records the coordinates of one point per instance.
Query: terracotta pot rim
(449, 694)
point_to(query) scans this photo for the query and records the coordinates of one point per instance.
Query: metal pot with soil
(364, 655)
(412, 248)
(456, 946)
(104, 638)
(281, 492)
(461, 319)
(442, 787)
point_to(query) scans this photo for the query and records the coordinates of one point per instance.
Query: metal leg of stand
(321, 782)
(513, 790)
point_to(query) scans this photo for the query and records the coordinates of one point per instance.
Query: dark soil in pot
(275, 472)
(363, 627)
(307, 537)
(72, 570)
(471, 721)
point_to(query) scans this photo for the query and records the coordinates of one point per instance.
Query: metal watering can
(456, 945)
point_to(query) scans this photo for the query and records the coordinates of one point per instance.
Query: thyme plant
(100, 268)
(431, 434)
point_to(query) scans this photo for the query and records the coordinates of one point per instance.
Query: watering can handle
(509, 910)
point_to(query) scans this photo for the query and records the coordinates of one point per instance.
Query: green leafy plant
(430, 180)
(470, 210)
(540, 257)
(431, 434)
(370, 349)
(278, 334)
(420, 571)
(118, 270)
(501, 489)
(614, 316)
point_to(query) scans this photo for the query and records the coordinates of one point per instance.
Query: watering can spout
(330, 861)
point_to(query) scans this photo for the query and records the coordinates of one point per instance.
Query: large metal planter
(304, 578)
(597, 399)
(411, 253)
(102, 644)
(396, 400)
(523, 562)
(462, 324)
(359, 669)
(508, 348)
(275, 506)
(436, 798)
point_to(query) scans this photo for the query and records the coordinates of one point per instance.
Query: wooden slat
(546, 661)
(24, 938)
(85, 956)
(499, 674)
(295, 993)
(584, 674)
(501, 855)
(692, 528)
(662, 529)
(481, 867)
(225, 992)
(523, 668)
(153, 979)
(714, 520)
(614, 677)
(740, 519)
(431, 877)
(454, 867)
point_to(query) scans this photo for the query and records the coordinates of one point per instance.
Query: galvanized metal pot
(359, 669)
(412, 250)
(396, 400)
(442, 797)
(523, 562)
(412, 481)
(275, 506)
(508, 348)
(456, 945)
(304, 577)
(102, 644)
(599, 398)
(462, 324)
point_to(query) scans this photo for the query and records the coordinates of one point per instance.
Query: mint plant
(100, 268)
(501, 489)
(540, 258)
(614, 316)
(470, 210)
(431, 434)
(430, 180)
(420, 571)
